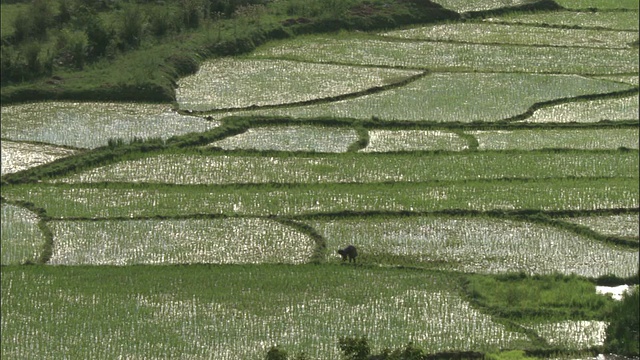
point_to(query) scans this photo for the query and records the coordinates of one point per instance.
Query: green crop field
(217, 241)
(443, 56)
(485, 166)
(462, 5)
(574, 139)
(627, 20)
(456, 97)
(291, 138)
(94, 124)
(21, 238)
(218, 83)
(217, 169)
(17, 156)
(589, 111)
(599, 4)
(129, 201)
(518, 35)
(478, 245)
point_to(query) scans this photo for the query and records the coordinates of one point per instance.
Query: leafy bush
(192, 13)
(133, 24)
(25, 62)
(162, 22)
(354, 348)
(622, 336)
(99, 37)
(409, 352)
(72, 48)
(42, 14)
(34, 22)
(22, 27)
(65, 11)
(276, 353)
(509, 355)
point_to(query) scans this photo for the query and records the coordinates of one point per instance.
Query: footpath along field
(486, 169)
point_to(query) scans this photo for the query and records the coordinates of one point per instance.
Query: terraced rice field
(94, 124)
(445, 56)
(613, 225)
(187, 241)
(17, 156)
(599, 4)
(574, 139)
(627, 20)
(22, 240)
(573, 334)
(588, 111)
(291, 138)
(519, 35)
(219, 82)
(456, 97)
(218, 169)
(487, 147)
(478, 245)
(225, 311)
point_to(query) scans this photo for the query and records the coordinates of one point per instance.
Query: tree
(192, 13)
(622, 335)
(72, 48)
(354, 348)
(99, 37)
(133, 24)
(276, 353)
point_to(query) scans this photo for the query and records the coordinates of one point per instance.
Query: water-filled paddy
(291, 138)
(599, 4)
(572, 335)
(22, 240)
(456, 97)
(518, 34)
(94, 123)
(626, 20)
(235, 312)
(18, 156)
(191, 169)
(589, 111)
(234, 83)
(613, 225)
(412, 140)
(628, 79)
(463, 5)
(565, 139)
(442, 56)
(163, 242)
(478, 245)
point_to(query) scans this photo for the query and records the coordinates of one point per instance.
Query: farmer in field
(348, 252)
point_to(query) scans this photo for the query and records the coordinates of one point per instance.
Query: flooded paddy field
(473, 163)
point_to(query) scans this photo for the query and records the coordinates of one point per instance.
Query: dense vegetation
(623, 336)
